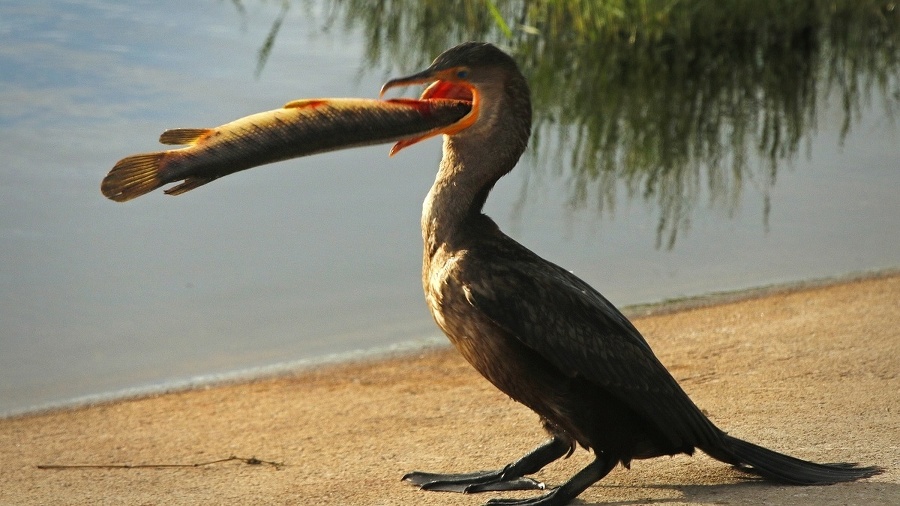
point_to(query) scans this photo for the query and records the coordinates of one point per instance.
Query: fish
(300, 128)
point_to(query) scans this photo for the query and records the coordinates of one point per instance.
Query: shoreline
(411, 347)
(811, 372)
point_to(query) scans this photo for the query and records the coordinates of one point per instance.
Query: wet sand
(812, 372)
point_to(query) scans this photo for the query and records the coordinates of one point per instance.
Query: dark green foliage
(671, 100)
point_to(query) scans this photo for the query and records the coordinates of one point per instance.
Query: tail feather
(133, 176)
(786, 469)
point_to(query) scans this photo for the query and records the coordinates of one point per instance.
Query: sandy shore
(814, 372)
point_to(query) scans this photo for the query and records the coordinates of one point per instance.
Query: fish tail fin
(133, 176)
(784, 468)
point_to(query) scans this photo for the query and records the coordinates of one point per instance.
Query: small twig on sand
(253, 461)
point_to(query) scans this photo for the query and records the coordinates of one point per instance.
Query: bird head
(476, 72)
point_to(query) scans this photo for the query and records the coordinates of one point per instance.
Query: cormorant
(536, 331)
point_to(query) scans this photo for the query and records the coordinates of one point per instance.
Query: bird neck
(468, 171)
(473, 160)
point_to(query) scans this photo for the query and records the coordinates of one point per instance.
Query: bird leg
(510, 477)
(569, 490)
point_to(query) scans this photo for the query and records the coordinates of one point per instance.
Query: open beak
(442, 84)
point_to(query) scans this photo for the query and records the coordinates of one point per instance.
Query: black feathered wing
(571, 325)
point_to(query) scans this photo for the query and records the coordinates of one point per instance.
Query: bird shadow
(755, 492)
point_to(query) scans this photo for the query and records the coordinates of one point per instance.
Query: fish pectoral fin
(182, 136)
(188, 185)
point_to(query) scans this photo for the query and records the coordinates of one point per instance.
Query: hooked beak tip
(393, 83)
(420, 78)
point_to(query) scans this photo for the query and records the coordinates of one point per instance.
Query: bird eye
(462, 74)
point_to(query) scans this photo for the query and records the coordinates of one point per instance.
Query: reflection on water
(662, 98)
(641, 134)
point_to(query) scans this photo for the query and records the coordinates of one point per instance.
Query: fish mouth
(442, 85)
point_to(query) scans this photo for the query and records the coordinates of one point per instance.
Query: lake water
(321, 256)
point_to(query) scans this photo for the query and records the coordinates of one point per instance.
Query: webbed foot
(468, 483)
(511, 477)
(568, 491)
(552, 498)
